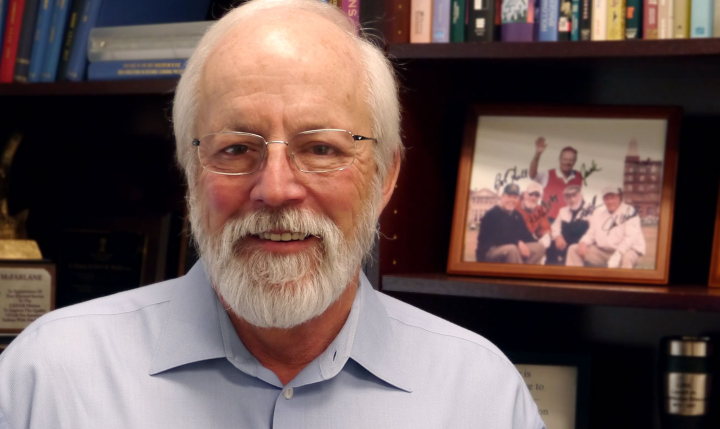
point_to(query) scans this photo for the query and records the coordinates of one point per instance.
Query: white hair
(379, 81)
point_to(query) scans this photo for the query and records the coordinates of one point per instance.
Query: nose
(278, 182)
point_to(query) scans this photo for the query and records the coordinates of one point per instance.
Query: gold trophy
(14, 243)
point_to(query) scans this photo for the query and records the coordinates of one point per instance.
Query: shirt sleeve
(589, 237)
(556, 228)
(542, 178)
(633, 238)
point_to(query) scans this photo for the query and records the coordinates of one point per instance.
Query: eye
(236, 149)
(321, 149)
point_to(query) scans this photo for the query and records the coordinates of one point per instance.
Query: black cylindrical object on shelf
(686, 380)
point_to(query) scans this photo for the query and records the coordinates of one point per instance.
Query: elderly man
(554, 181)
(504, 236)
(535, 214)
(570, 225)
(614, 238)
(287, 127)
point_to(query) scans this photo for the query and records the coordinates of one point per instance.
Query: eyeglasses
(534, 194)
(237, 153)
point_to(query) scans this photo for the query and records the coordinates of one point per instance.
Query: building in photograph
(642, 186)
(480, 202)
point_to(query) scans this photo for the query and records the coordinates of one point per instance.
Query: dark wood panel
(540, 50)
(693, 298)
(126, 87)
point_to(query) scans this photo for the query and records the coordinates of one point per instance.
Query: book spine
(457, 23)
(441, 21)
(3, 15)
(10, 40)
(564, 25)
(616, 20)
(421, 21)
(40, 42)
(575, 22)
(586, 9)
(702, 19)
(69, 37)
(398, 22)
(481, 21)
(352, 10)
(633, 19)
(77, 61)
(650, 19)
(25, 41)
(716, 19)
(599, 20)
(549, 10)
(518, 24)
(120, 70)
(681, 19)
(55, 39)
(662, 19)
(670, 19)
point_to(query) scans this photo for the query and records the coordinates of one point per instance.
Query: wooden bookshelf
(117, 87)
(553, 50)
(690, 298)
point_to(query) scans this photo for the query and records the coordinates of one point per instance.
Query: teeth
(285, 236)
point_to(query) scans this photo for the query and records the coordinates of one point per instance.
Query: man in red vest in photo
(554, 181)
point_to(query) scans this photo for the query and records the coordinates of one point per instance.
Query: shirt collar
(197, 328)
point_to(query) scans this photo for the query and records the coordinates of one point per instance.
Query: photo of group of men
(557, 211)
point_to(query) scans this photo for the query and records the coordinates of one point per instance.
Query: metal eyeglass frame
(355, 137)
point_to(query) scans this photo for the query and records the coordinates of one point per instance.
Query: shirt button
(288, 393)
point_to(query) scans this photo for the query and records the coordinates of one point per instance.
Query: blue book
(51, 57)
(547, 25)
(40, 41)
(140, 69)
(25, 41)
(3, 15)
(701, 19)
(109, 13)
(575, 23)
(441, 21)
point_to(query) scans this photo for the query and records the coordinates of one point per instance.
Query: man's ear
(390, 180)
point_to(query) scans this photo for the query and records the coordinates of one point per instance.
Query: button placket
(288, 393)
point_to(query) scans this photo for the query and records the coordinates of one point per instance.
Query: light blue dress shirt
(167, 356)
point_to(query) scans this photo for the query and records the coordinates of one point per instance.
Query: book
(548, 21)
(145, 42)
(10, 39)
(518, 21)
(681, 19)
(481, 21)
(84, 16)
(575, 21)
(109, 13)
(650, 19)
(586, 9)
(25, 41)
(441, 21)
(565, 20)
(616, 20)
(40, 41)
(397, 23)
(599, 20)
(3, 15)
(350, 7)
(701, 21)
(670, 23)
(421, 21)
(633, 19)
(122, 70)
(457, 21)
(663, 15)
(58, 24)
(716, 20)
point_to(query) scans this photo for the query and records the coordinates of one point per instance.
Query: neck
(566, 174)
(287, 351)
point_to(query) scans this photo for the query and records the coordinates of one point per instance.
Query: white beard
(271, 290)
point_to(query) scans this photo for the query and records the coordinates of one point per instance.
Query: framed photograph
(560, 386)
(576, 193)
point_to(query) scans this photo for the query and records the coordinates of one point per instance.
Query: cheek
(220, 201)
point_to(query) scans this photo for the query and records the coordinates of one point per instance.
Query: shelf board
(694, 298)
(111, 87)
(548, 50)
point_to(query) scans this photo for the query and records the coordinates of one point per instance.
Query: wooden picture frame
(714, 279)
(627, 154)
(560, 385)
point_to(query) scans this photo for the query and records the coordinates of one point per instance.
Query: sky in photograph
(504, 142)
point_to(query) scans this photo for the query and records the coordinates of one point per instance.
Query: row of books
(47, 40)
(441, 21)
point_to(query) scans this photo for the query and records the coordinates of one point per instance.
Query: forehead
(300, 63)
